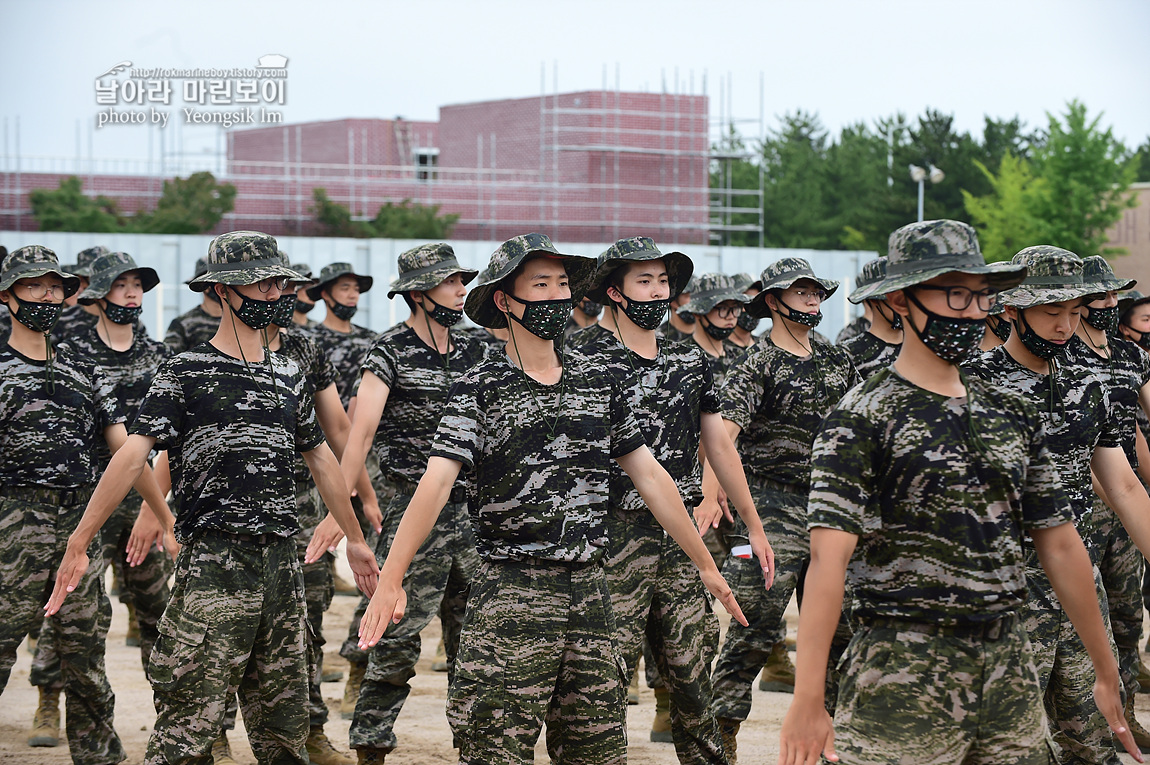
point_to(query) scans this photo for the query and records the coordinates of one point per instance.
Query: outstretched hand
(718, 587)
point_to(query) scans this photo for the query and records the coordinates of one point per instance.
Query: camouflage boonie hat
(1097, 269)
(333, 271)
(425, 267)
(242, 257)
(745, 281)
(84, 259)
(1129, 300)
(106, 269)
(1052, 276)
(200, 269)
(32, 261)
(711, 290)
(633, 250)
(873, 272)
(304, 270)
(480, 307)
(779, 276)
(918, 252)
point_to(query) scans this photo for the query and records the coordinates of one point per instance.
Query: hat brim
(1028, 296)
(480, 304)
(680, 268)
(71, 281)
(758, 305)
(703, 302)
(241, 277)
(1116, 284)
(365, 283)
(1001, 276)
(101, 284)
(430, 280)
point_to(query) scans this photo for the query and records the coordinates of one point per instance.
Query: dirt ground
(424, 737)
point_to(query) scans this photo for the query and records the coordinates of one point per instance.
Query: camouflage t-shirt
(130, 371)
(667, 394)
(347, 352)
(190, 329)
(940, 525)
(418, 387)
(1082, 418)
(317, 370)
(779, 400)
(50, 440)
(853, 328)
(232, 439)
(1126, 371)
(533, 494)
(672, 334)
(73, 322)
(869, 354)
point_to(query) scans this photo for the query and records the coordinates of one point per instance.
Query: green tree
(860, 199)
(1086, 175)
(68, 209)
(1142, 163)
(336, 218)
(796, 202)
(189, 205)
(408, 220)
(1005, 218)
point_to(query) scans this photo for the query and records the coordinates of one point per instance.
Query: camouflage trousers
(385, 491)
(538, 646)
(437, 582)
(920, 693)
(656, 592)
(34, 529)
(746, 649)
(1077, 728)
(235, 622)
(1121, 566)
(144, 586)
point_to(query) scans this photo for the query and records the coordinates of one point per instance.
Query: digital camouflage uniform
(235, 621)
(74, 320)
(853, 328)
(869, 354)
(347, 352)
(655, 588)
(54, 415)
(672, 334)
(190, 329)
(1078, 416)
(940, 669)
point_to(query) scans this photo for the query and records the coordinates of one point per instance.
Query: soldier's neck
(27, 342)
(642, 341)
(118, 337)
(211, 307)
(919, 366)
(238, 340)
(336, 324)
(678, 323)
(1095, 339)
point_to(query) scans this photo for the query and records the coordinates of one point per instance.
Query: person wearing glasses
(716, 304)
(1085, 433)
(232, 416)
(772, 405)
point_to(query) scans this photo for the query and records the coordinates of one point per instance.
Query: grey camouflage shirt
(1126, 371)
(189, 329)
(347, 352)
(869, 354)
(317, 370)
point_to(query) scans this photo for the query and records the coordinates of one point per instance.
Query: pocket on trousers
(178, 658)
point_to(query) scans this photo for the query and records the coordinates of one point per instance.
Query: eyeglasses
(727, 311)
(959, 298)
(37, 290)
(279, 282)
(804, 293)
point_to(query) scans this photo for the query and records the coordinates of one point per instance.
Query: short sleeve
(1044, 501)
(323, 373)
(381, 362)
(308, 434)
(175, 339)
(843, 474)
(626, 436)
(709, 402)
(459, 436)
(107, 403)
(743, 391)
(163, 410)
(1114, 425)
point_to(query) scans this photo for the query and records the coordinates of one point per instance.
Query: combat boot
(222, 751)
(46, 721)
(133, 636)
(439, 663)
(1141, 735)
(661, 727)
(728, 730)
(633, 690)
(355, 672)
(321, 751)
(370, 756)
(1143, 677)
(779, 673)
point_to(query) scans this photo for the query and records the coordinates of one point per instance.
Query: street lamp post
(919, 175)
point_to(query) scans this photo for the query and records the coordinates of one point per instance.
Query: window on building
(426, 162)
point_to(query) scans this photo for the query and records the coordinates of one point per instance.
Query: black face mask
(590, 308)
(545, 319)
(798, 317)
(747, 322)
(646, 314)
(1000, 327)
(257, 314)
(686, 318)
(303, 307)
(1039, 346)
(285, 307)
(441, 314)
(121, 314)
(1105, 319)
(341, 311)
(38, 317)
(951, 339)
(718, 333)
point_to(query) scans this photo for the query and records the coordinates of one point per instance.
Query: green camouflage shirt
(317, 370)
(347, 352)
(779, 401)
(856, 327)
(940, 525)
(668, 395)
(73, 322)
(130, 371)
(190, 329)
(1126, 371)
(531, 494)
(869, 354)
(1083, 416)
(232, 440)
(418, 388)
(50, 440)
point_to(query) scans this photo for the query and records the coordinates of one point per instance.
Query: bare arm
(662, 497)
(325, 470)
(714, 505)
(726, 465)
(1142, 451)
(1064, 557)
(336, 428)
(388, 604)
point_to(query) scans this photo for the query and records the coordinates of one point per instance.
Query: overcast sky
(846, 60)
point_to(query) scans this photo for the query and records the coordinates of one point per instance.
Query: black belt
(991, 630)
(47, 496)
(786, 488)
(241, 537)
